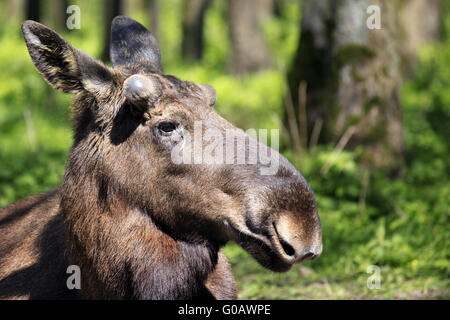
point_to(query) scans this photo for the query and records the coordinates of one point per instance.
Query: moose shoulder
(138, 224)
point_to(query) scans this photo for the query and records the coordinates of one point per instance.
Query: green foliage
(367, 218)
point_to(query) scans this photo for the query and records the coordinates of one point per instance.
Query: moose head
(130, 122)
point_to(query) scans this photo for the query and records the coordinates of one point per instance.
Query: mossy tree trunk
(59, 14)
(421, 22)
(193, 21)
(249, 50)
(13, 10)
(353, 79)
(33, 10)
(112, 8)
(153, 8)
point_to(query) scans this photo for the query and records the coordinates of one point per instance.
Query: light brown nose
(300, 237)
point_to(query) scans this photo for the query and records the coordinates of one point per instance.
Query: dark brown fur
(138, 225)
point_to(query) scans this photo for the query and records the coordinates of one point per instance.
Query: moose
(137, 224)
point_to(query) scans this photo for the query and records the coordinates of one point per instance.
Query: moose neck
(120, 249)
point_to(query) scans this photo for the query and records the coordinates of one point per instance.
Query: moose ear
(64, 67)
(210, 93)
(134, 47)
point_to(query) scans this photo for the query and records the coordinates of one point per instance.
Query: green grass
(399, 225)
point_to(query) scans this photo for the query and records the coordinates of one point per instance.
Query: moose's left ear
(64, 67)
(133, 47)
(209, 92)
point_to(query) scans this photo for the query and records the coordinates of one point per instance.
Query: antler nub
(142, 91)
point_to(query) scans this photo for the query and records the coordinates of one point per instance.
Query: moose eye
(167, 127)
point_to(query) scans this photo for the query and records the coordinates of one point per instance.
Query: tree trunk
(421, 22)
(59, 14)
(112, 8)
(33, 10)
(13, 10)
(153, 8)
(193, 21)
(353, 78)
(249, 51)
(276, 7)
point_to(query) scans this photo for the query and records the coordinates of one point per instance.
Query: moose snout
(297, 238)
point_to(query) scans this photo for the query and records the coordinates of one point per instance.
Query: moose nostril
(287, 248)
(309, 256)
(293, 242)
